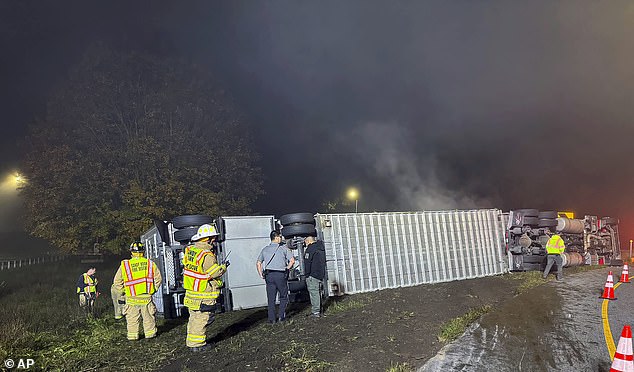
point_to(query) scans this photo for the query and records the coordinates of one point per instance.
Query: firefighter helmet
(205, 231)
(136, 247)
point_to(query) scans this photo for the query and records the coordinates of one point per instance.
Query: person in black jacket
(315, 271)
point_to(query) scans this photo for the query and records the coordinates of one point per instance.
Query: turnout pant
(197, 327)
(313, 285)
(118, 308)
(276, 283)
(554, 258)
(133, 315)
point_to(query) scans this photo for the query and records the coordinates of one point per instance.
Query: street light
(353, 194)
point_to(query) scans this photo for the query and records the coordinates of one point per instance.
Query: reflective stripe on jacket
(138, 276)
(555, 245)
(90, 283)
(197, 281)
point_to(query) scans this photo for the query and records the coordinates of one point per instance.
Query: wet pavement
(555, 327)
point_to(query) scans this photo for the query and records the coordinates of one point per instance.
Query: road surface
(558, 326)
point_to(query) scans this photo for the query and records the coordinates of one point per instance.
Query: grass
(345, 304)
(532, 279)
(42, 320)
(452, 329)
(399, 367)
(299, 357)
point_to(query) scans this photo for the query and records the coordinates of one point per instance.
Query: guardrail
(14, 264)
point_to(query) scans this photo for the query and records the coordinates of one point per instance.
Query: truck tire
(530, 221)
(610, 220)
(299, 230)
(528, 212)
(548, 215)
(547, 222)
(191, 220)
(184, 235)
(297, 218)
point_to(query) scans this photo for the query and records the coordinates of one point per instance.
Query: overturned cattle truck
(588, 240)
(364, 252)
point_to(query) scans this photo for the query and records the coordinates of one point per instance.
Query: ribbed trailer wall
(371, 251)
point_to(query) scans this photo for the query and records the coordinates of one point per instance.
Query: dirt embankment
(395, 329)
(391, 329)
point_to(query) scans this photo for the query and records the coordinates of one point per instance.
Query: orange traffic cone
(625, 275)
(608, 290)
(623, 359)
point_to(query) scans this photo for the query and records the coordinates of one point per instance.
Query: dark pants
(276, 283)
(554, 259)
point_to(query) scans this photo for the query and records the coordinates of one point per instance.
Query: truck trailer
(372, 251)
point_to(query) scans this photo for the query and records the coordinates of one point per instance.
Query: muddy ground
(396, 328)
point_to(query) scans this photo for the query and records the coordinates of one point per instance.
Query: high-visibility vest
(195, 279)
(90, 283)
(138, 276)
(555, 245)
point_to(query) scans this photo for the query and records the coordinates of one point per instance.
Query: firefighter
(136, 280)
(555, 248)
(118, 301)
(201, 280)
(87, 289)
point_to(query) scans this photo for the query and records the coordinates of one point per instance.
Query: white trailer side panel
(371, 251)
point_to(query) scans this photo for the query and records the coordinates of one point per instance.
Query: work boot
(205, 347)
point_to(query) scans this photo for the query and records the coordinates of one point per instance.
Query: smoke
(503, 104)
(405, 179)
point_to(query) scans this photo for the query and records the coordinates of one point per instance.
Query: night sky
(421, 105)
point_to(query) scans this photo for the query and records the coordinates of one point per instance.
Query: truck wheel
(610, 220)
(191, 220)
(184, 235)
(297, 218)
(547, 214)
(547, 222)
(299, 230)
(530, 221)
(528, 212)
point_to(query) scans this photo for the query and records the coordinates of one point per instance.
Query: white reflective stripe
(609, 284)
(135, 281)
(128, 270)
(196, 285)
(195, 274)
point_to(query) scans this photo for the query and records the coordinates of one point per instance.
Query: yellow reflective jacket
(201, 275)
(139, 281)
(555, 245)
(138, 276)
(90, 284)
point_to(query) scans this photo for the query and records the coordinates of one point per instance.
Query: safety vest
(195, 279)
(138, 276)
(555, 245)
(90, 283)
